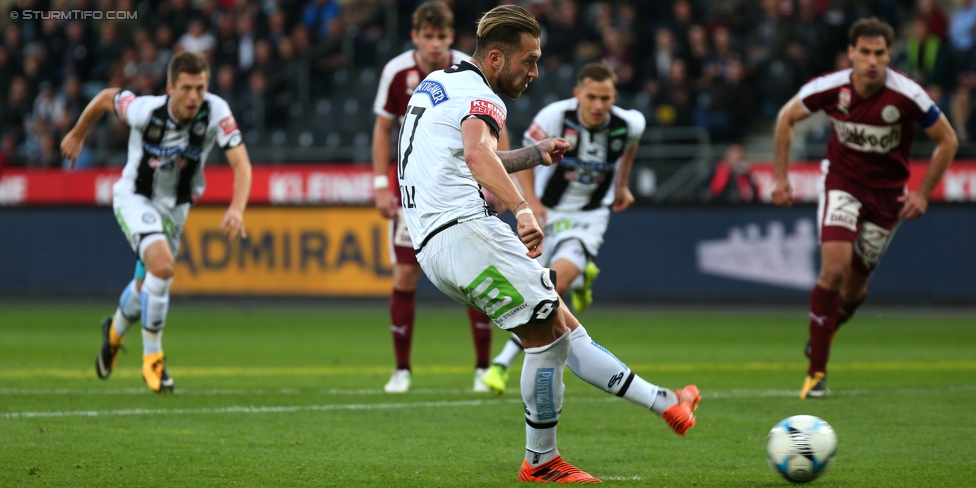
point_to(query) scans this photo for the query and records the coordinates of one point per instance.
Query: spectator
(245, 42)
(198, 40)
(658, 64)
(617, 55)
(8, 151)
(18, 106)
(673, 105)
(107, 51)
(563, 35)
(277, 26)
(224, 83)
(934, 18)
(923, 58)
(165, 42)
(697, 56)
(732, 181)
(771, 33)
(78, 56)
(322, 18)
(732, 106)
(961, 26)
(813, 35)
(47, 106)
(227, 47)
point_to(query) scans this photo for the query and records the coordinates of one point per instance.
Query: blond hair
(502, 27)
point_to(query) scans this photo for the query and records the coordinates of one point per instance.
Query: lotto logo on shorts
(494, 294)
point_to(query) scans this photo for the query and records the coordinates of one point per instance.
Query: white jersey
(584, 179)
(166, 158)
(436, 186)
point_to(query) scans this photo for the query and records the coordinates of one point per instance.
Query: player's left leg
(114, 327)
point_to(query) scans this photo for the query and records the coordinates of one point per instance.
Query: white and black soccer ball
(801, 448)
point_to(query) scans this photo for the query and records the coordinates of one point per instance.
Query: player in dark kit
(873, 110)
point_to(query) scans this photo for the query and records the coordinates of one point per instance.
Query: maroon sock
(402, 311)
(847, 309)
(824, 309)
(481, 326)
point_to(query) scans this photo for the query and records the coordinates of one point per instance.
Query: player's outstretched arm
(480, 154)
(789, 115)
(622, 197)
(233, 221)
(544, 152)
(526, 180)
(75, 138)
(916, 202)
(382, 142)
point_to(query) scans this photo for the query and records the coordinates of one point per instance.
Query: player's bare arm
(916, 202)
(233, 222)
(382, 141)
(526, 179)
(480, 154)
(544, 152)
(623, 198)
(74, 140)
(789, 115)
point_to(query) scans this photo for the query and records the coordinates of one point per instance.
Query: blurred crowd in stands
(723, 65)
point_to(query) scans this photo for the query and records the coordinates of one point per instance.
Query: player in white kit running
(447, 153)
(169, 142)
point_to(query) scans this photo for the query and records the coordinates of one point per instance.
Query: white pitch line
(731, 394)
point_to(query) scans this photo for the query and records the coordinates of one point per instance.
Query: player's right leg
(402, 314)
(115, 327)
(154, 297)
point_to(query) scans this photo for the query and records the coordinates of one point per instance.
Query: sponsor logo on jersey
(546, 281)
(844, 99)
(413, 77)
(484, 107)
(536, 133)
(228, 125)
(572, 137)
(867, 138)
(199, 128)
(492, 292)
(890, 114)
(123, 105)
(434, 90)
(871, 243)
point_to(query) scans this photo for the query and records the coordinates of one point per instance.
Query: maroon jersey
(400, 76)
(872, 136)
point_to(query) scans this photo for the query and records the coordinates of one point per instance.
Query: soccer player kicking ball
(863, 198)
(573, 199)
(447, 152)
(433, 33)
(170, 139)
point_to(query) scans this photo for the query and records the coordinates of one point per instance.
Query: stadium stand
(301, 75)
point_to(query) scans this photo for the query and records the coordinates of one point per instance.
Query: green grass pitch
(285, 396)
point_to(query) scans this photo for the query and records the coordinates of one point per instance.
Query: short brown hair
(186, 62)
(872, 27)
(435, 14)
(502, 28)
(597, 72)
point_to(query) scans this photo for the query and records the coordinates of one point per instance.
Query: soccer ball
(801, 447)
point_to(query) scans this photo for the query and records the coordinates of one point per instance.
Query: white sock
(152, 341)
(512, 348)
(542, 394)
(129, 309)
(155, 303)
(600, 368)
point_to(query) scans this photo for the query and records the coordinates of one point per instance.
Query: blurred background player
(433, 34)
(573, 199)
(447, 153)
(170, 139)
(874, 110)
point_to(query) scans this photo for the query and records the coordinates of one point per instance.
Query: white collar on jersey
(604, 125)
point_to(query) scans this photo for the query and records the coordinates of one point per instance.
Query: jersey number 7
(417, 112)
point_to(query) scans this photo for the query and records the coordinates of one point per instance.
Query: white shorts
(481, 263)
(586, 227)
(139, 217)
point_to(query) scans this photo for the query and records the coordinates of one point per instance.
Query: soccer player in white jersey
(433, 33)
(573, 199)
(447, 152)
(169, 142)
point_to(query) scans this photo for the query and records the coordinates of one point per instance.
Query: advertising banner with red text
(295, 184)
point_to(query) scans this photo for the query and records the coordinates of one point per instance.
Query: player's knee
(833, 274)
(163, 269)
(405, 276)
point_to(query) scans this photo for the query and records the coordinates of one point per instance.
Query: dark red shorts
(402, 251)
(866, 217)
